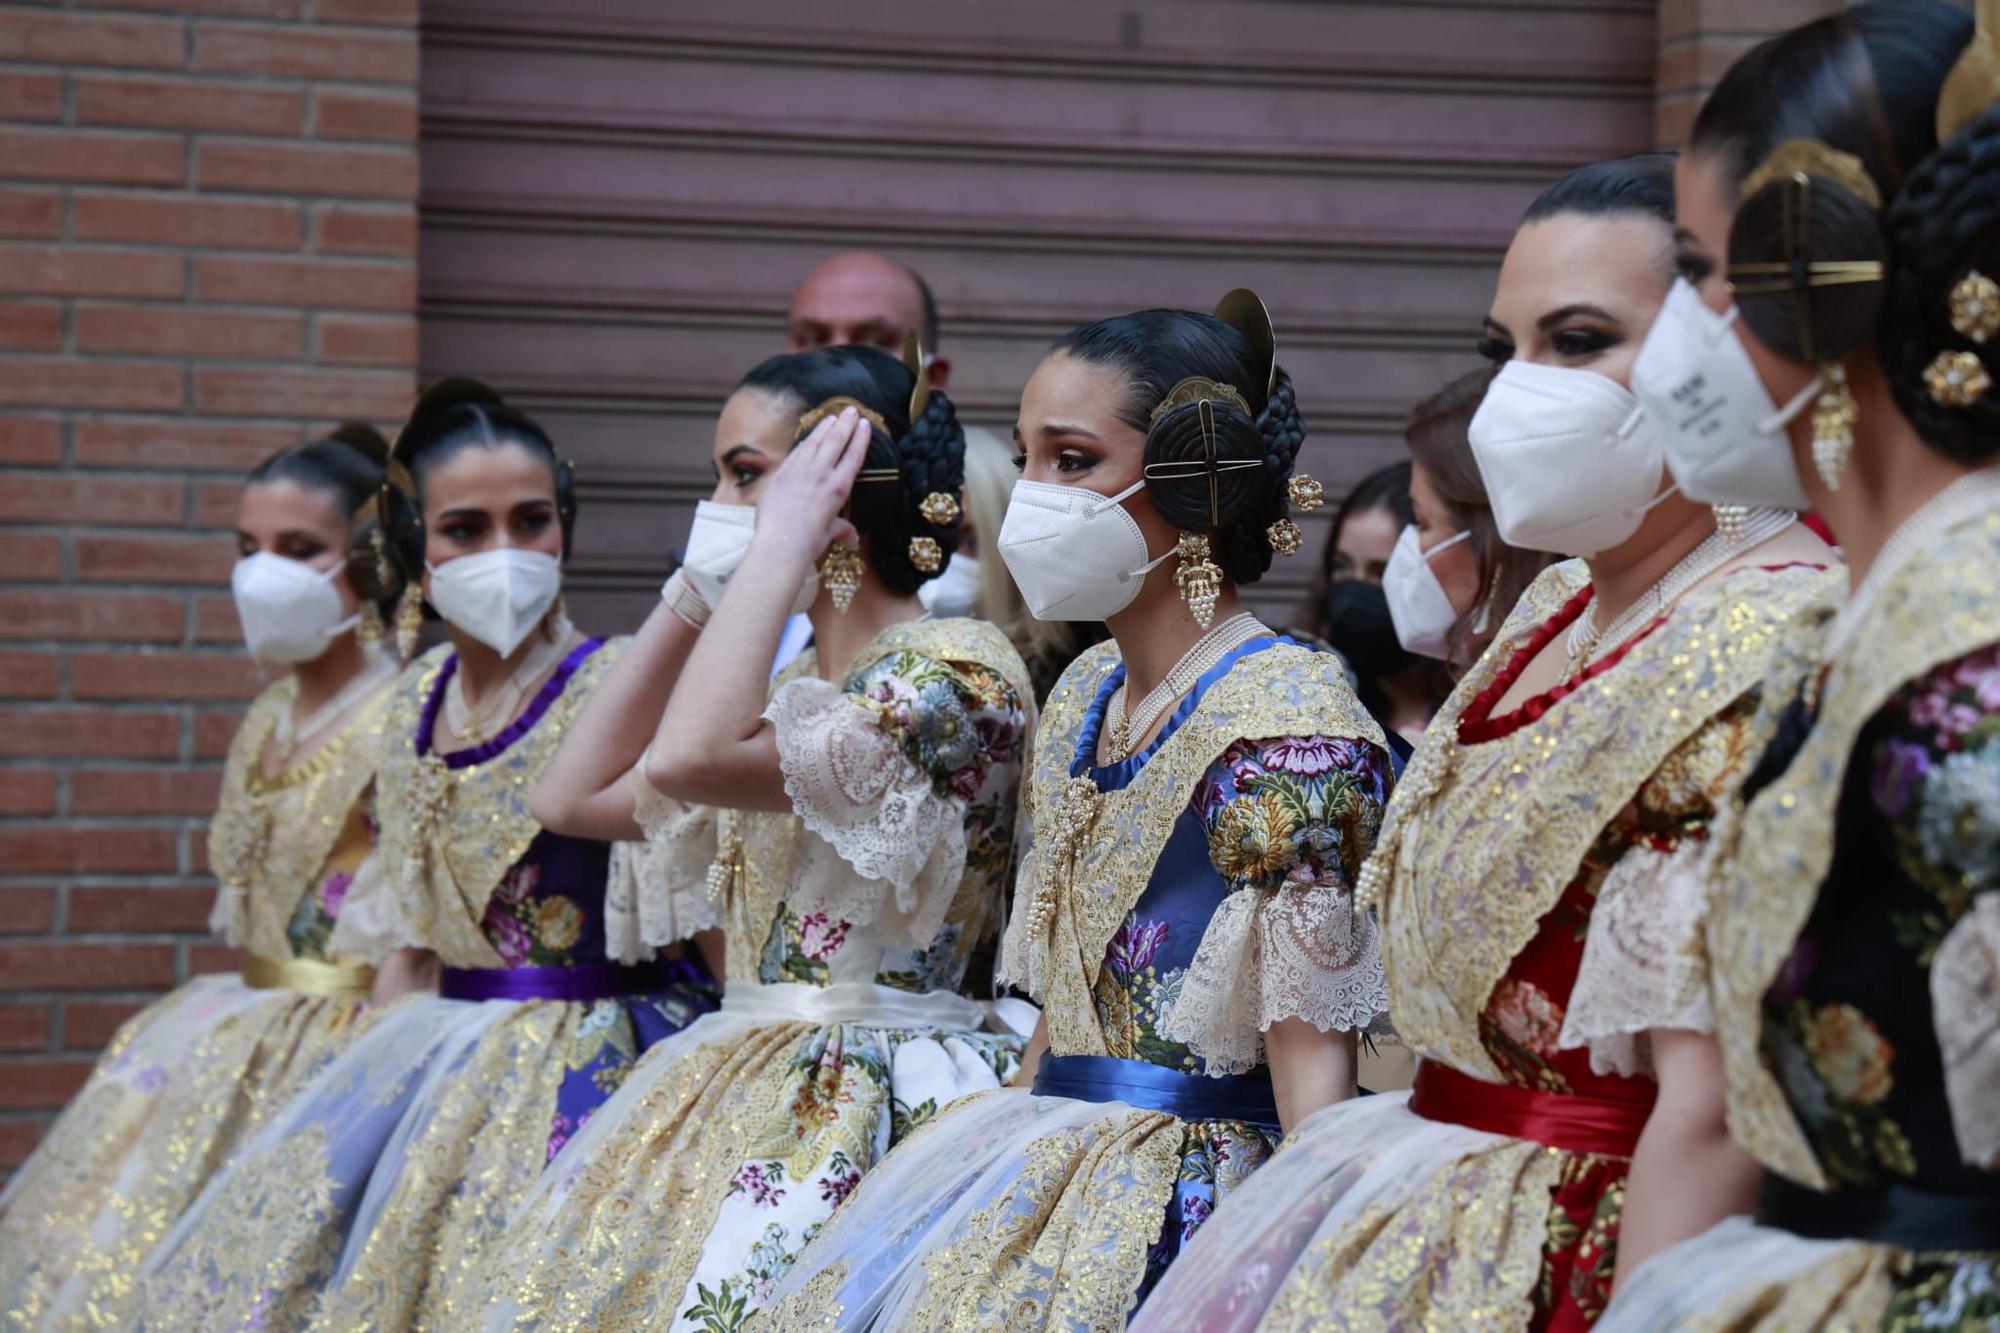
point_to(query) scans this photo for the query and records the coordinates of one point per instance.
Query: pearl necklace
(1969, 495)
(1196, 662)
(476, 726)
(1714, 551)
(289, 735)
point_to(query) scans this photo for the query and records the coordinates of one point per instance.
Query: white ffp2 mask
(716, 544)
(1571, 464)
(955, 591)
(498, 596)
(1075, 554)
(1422, 612)
(290, 611)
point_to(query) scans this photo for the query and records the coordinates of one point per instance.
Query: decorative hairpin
(1957, 379)
(1810, 157)
(1197, 389)
(833, 407)
(926, 554)
(1304, 493)
(1974, 81)
(939, 509)
(1975, 307)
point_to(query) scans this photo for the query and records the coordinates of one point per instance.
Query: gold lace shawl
(1771, 862)
(1091, 881)
(1482, 840)
(448, 836)
(759, 848)
(271, 837)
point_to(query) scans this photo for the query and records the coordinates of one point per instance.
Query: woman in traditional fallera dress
(850, 834)
(1856, 933)
(366, 1202)
(1536, 880)
(1185, 913)
(193, 1075)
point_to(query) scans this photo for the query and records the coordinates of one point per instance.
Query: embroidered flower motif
(1958, 822)
(1307, 756)
(835, 1188)
(518, 884)
(1194, 1211)
(509, 938)
(1135, 944)
(820, 937)
(1899, 767)
(558, 922)
(334, 892)
(1254, 840)
(1526, 1016)
(1849, 1054)
(559, 1133)
(763, 1189)
(945, 737)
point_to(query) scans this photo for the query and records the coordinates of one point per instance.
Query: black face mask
(1359, 626)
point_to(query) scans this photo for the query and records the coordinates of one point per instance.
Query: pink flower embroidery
(518, 884)
(1526, 1016)
(1308, 756)
(751, 1180)
(835, 1188)
(508, 936)
(820, 937)
(334, 892)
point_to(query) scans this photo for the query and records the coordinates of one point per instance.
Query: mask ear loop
(1673, 487)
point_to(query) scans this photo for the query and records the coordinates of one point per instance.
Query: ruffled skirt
(1019, 1211)
(1741, 1276)
(179, 1088)
(1373, 1217)
(692, 1192)
(370, 1199)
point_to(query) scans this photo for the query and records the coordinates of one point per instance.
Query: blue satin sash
(1106, 1078)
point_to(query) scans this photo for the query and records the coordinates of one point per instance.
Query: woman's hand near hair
(1310, 1069)
(713, 746)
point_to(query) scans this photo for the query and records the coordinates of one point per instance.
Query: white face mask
(1418, 604)
(1725, 439)
(498, 596)
(716, 545)
(1075, 554)
(290, 611)
(1571, 464)
(955, 591)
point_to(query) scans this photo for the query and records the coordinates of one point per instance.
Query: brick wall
(1701, 39)
(207, 249)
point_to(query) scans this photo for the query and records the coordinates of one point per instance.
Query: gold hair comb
(833, 407)
(1974, 82)
(1810, 157)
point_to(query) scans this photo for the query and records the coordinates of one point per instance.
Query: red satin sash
(1608, 1126)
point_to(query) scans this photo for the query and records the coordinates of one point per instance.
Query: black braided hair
(927, 454)
(1156, 349)
(1944, 223)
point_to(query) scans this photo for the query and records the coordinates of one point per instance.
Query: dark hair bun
(455, 391)
(364, 439)
(1246, 500)
(1776, 232)
(1944, 223)
(929, 458)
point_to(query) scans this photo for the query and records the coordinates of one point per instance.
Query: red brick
(30, 213)
(27, 791)
(384, 117)
(30, 558)
(89, 1024)
(88, 849)
(356, 231)
(343, 284)
(29, 440)
(242, 48)
(17, 1139)
(208, 957)
(30, 326)
(388, 173)
(133, 559)
(214, 730)
(24, 1027)
(182, 104)
(276, 9)
(27, 911)
(29, 675)
(203, 676)
(67, 270)
(90, 733)
(369, 395)
(90, 615)
(215, 506)
(143, 791)
(241, 224)
(215, 620)
(366, 11)
(185, 331)
(71, 155)
(367, 342)
(30, 96)
(76, 39)
(62, 497)
(54, 382)
(179, 444)
(41, 1083)
(178, 908)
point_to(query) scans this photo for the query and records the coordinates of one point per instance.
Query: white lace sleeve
(1645, 964)
(851, 784)
(370, 926)
(225, 915)
(658, 890)
(1965, 1007)
(1016, 963)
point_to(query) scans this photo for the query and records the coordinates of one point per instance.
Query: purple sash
(582, 983)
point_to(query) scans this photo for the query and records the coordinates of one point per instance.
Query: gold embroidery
(1482, 839)
(814, 1307)
(448, 836)
(1771, 861)
(1086, 885)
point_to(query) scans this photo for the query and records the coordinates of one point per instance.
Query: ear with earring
(409, 622)
(840, 574)
(1198, 577)
(369, 631)
(1834, 415)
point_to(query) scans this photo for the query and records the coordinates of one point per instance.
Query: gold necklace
(1196, 662)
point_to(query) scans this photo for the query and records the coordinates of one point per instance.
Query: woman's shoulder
(956, 643)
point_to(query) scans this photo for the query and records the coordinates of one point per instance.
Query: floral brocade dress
(368, 1200)
(1173, 907)
(1856, 940)
(849, 921)
(197, 1072)
(1542, 911)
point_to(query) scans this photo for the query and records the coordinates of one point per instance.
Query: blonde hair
(989, 479)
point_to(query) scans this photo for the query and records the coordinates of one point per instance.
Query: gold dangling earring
(370, 629)
(1834, 415)
(1198, 578)
(409, 622)
(1729, 520)
(553, 620)
(840, 574)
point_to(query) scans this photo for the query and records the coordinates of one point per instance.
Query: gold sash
(309, 976)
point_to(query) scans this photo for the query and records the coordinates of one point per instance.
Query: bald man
(866, 299)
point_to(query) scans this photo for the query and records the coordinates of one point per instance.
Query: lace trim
(657, 892)
(1271, 954)
(1965, 1006)
(856, 792)
(1645, 962)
